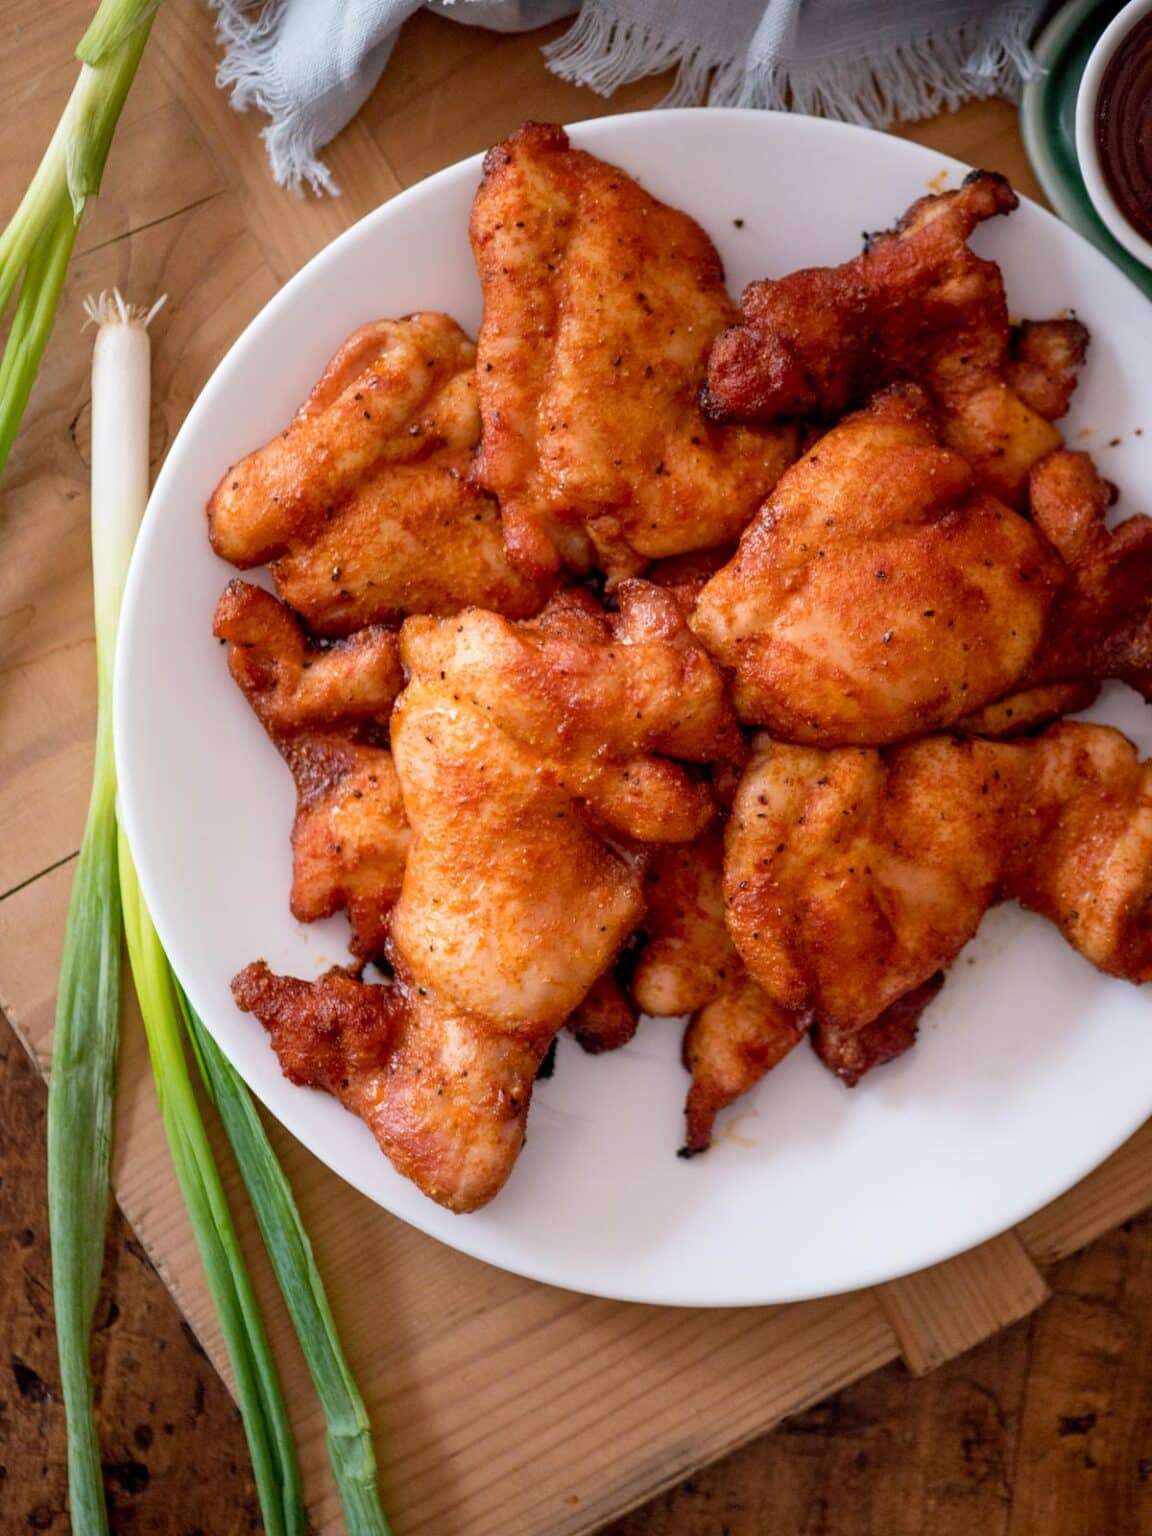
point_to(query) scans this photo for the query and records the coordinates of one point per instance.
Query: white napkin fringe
(248, 35)
(908, 80)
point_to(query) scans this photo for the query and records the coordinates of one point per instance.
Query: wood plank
(47, 698)
(500, 1404)
(1115, 1192)
(169, 1433)
(289, 229)
(926, 1457)
(451, 91)
(1085, 1451)
(512, 1378)
(943, 1311)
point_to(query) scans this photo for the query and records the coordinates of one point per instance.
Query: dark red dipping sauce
(1124, 126)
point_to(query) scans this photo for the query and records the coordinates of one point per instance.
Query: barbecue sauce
(1124, 126)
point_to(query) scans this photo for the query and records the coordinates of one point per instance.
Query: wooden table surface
(1045, 1429)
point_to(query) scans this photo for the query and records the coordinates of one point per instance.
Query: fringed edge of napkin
(904, 79)
(293, 140)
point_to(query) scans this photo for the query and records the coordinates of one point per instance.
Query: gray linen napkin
(311, 64)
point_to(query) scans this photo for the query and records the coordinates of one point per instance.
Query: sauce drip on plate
(1124, 126)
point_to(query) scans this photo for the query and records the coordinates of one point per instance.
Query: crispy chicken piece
(1028, 710)
(687, 956)
(542, 746)
(364, 504)
(850, 1053)
(350, 836)
(916, 305)
(326, 710)
(600, 305)
(879, 593)
(536, 765)
(1044, 362)
(853, 876)
(292, 682)
(607, 1017)
(689, 966)
(1101, 624)
(737, 1034)
(446, 1105)
(1081, 851)
(729, 1045)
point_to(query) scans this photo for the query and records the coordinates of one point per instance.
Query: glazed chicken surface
(736, 1033)
(537, 762)
(689, 965)
(918, 305)
(600, 306)
(326, 711)
(839, 515)
(364, 505)
(879, 593)
(852, 876)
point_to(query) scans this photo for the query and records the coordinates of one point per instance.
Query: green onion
(106, 895)
(349, 1434)
(257, 1384)
(88, 1002)
(37, 243)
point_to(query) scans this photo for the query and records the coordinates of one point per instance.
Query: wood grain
(500, 1405)
(169, 1432)
(1048, 1425)
(512, 1379)
(943, 1311)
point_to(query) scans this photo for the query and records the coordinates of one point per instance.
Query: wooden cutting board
(500, 1405)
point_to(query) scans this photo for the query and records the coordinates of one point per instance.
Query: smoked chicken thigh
(534, 759)
(852, 876)
(536, 764)
(879, 593)
(364, 505)
(917, 305)
(600, 306)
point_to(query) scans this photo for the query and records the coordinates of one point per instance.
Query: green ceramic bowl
(1048, 124)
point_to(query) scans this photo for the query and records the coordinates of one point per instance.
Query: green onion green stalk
(258, 1389)
(106, 897)
(35, 249)
(84, 1046)
(349, 1434)
(37, 243)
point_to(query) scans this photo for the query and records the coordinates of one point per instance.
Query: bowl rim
(1087, 96)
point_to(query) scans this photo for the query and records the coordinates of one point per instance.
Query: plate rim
(864, 1273)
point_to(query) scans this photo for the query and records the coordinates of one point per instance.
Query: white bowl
(1086, 152)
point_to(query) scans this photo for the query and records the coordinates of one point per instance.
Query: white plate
(1031, 1068)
